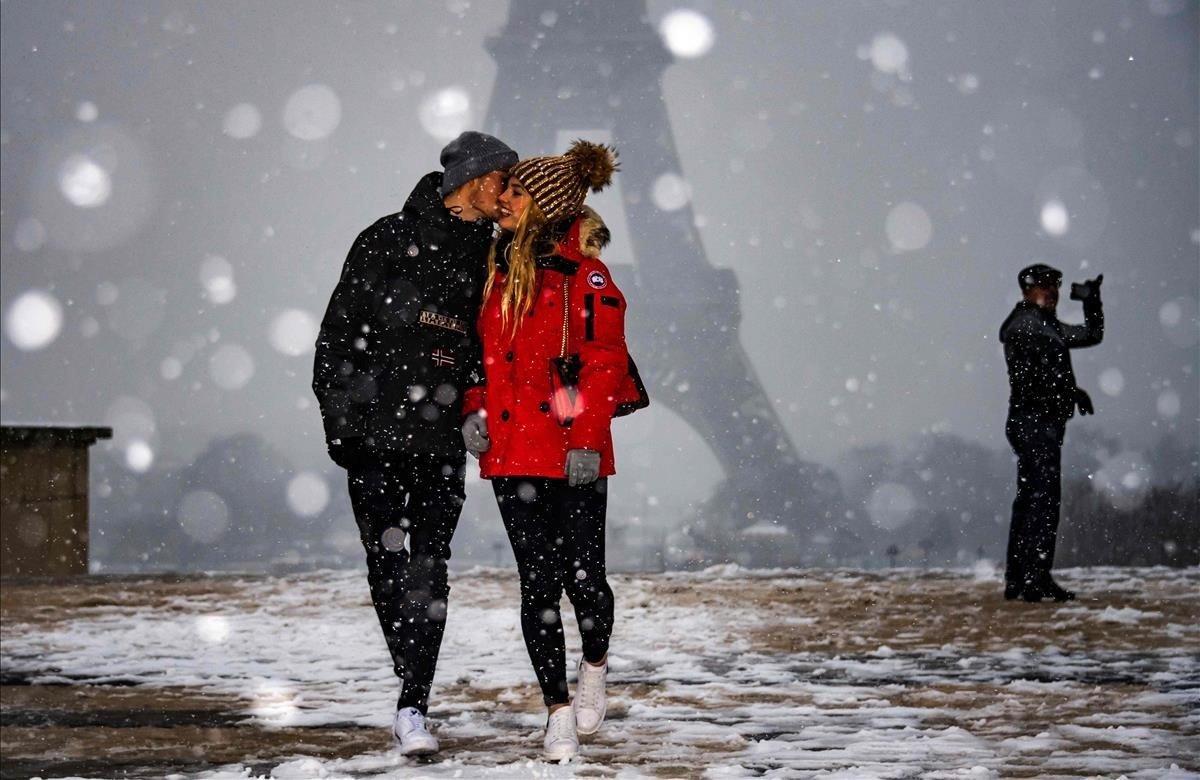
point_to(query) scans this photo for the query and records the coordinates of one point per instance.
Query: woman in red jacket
(556, 370)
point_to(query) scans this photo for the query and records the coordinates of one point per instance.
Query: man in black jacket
(396, 350)
(1043, 397)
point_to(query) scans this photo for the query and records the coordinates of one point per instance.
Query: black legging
(423, 495)
(557, 536)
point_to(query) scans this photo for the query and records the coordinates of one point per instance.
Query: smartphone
(1078, 291)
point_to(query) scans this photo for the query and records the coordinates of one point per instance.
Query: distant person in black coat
(397, 349)
(1043, 397)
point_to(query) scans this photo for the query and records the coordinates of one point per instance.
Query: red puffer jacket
(527, 440)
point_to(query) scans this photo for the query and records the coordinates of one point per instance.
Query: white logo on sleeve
(597, 280)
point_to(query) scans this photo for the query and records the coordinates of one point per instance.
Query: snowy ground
(721, 673)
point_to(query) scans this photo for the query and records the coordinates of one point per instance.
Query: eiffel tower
(599, 66)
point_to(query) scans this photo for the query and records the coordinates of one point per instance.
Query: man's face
(486, 192)
(1045, 296)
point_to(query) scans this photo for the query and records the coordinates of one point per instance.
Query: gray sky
(183, 180)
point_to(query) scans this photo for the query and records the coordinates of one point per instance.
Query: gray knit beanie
(472, 155)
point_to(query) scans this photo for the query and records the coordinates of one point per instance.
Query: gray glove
(583, 467)
(475, 434)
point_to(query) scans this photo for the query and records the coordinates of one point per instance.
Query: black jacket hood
(425, 201)
(426, 207)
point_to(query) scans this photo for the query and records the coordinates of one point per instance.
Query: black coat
(398, 346)
(1037, 349)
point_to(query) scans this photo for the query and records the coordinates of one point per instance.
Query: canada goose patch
(597, 280)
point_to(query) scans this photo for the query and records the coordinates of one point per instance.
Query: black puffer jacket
(1037, 349)
(398, 345)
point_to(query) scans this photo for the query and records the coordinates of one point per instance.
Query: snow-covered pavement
(720, 673)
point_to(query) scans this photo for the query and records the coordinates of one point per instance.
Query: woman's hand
(475, 434)
(582, 467)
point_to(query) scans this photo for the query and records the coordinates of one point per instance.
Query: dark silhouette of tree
(1164, 530)
(140, 527)
(964, 494)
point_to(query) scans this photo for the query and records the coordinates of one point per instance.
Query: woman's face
(513, 203)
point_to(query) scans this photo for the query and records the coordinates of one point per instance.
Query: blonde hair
(516, 299)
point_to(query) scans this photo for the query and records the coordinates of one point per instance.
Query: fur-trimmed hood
(583, 237)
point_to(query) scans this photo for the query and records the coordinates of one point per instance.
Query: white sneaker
(590, 702)
(561, 739)
(409, 730)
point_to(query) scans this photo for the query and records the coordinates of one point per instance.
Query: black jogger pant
(423, 496)
(557, 536)
(1034, 529)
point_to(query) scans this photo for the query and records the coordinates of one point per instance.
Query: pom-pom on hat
(558, 184)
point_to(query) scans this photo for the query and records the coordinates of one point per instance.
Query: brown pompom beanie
(558, 184)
